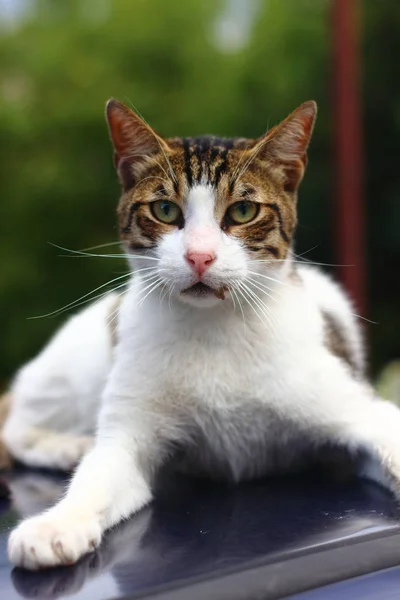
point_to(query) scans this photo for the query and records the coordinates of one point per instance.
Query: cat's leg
(55, 398)
(377, 432)
(113, 481)
(46, 448)
(347, 413)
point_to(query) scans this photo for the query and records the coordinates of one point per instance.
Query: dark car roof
(266, 539)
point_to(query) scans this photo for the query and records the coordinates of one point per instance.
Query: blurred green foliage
(61, 60)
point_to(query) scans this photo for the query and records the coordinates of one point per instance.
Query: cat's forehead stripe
(206, 155)
(223, 165)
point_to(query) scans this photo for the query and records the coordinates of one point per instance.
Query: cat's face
(215, 213)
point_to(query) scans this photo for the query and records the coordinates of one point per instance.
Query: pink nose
(199, 261)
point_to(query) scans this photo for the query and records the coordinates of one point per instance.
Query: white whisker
(365, 319)
(115, 314)
(170, 295)
(153, 286)
(263, 288)
(271, 318)
(306, 252)
(91, 299)
(171, 171)
(268, 277)
(100, 246)
(75, 302)
(167, 289)
(124, 256)
(163, 294)
(233, 300)
(137, 271)
(245, 297)
(164, 181)
(273, 261)
(236, 174)
(233, 290)
(81, 253)
(164, 171)
(147, 280)
(261, 305)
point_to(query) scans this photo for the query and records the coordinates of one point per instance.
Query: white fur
(229, 384)
(56, 396)
(201, 234)
(331, 299)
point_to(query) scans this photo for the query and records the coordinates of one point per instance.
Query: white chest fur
(229, 379)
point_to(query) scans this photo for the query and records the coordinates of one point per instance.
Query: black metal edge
(292, 575)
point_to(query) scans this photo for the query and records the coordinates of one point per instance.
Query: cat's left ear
(133, 140)
(286, 144)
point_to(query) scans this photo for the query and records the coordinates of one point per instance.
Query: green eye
(242, 212)
(166, 212)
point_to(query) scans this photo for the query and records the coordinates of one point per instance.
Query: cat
(231, 359)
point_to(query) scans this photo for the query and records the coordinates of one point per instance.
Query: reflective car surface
(266, 539)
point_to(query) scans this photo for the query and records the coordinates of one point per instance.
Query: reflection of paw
(54, 583)
(53, 539)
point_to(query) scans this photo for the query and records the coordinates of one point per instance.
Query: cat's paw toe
(49, 541)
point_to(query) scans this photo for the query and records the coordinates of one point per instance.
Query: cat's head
(215, 213)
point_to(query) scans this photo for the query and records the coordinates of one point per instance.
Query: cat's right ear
(133, 140)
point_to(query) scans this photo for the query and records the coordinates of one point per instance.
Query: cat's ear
(133, 140)
(287, 143)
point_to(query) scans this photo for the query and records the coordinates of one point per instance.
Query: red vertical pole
(348, 202)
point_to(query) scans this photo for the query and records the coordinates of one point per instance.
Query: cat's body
(230, 360)
(216, 368)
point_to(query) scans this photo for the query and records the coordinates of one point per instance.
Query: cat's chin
(200, 296)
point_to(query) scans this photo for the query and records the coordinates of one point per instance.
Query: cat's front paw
(51, 540)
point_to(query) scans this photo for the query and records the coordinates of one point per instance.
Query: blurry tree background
(229, 67)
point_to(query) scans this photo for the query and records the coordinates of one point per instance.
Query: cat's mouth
(201, 290)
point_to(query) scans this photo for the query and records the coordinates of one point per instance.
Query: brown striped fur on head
(267, 170)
